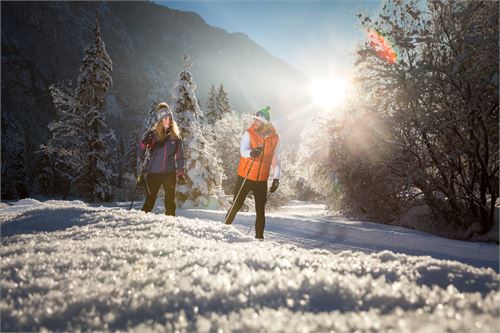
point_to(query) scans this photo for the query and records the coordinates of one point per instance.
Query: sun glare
(328, 93)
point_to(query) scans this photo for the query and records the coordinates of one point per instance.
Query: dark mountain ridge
(43, 43)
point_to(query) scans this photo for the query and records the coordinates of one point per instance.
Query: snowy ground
(67, 266)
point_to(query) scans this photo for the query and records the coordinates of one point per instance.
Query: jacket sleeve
(276, 162)
(245, 145)
(179, 156)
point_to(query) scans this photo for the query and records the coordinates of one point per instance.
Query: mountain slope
(43, 43)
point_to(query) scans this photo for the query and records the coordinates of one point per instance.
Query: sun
(329, 92)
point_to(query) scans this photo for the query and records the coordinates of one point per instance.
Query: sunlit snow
(67, 266)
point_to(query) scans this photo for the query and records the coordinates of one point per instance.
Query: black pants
(153, 183)
(259, 189)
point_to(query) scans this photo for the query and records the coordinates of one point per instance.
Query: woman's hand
(148, 138)
(181, 179)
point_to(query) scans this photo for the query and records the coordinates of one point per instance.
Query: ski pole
(135, 191)
(138, 181)
(239, 191)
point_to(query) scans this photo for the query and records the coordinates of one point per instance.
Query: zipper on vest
(261, 159)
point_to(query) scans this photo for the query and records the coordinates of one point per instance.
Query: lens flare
(382, 47)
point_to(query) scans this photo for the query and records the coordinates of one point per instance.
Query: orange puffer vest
(262, 164)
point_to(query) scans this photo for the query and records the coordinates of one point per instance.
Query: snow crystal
(97, 268)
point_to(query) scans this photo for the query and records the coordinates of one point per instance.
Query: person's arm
(245, 145)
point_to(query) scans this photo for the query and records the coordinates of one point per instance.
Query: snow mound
(27, 202)
(3, 205)
(112, 269)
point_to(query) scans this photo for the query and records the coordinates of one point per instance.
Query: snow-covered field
(68, 266)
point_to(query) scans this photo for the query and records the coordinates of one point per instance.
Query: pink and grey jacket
(166, 156)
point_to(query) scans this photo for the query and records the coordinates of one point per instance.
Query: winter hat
(264, 115)
(165, 112)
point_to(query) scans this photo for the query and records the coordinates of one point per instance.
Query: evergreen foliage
(226, 134)
(14, 159)
(211, 109)
(81, 144)
(203, 168)
(217, 105)
(222, 102)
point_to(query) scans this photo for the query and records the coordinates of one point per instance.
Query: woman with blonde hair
(166, 164)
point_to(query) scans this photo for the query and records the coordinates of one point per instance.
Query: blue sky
(316, 37)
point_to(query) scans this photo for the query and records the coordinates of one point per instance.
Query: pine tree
(14, 173)
(211, 108)
(203, 169)
(134, 152)
(62, 147)
(94, 175)
(45, 179)
(151, 118)
(222, 102)
(81, 139)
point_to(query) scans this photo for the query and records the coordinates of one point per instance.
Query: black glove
(181, 179)
(274, 186)
(256, 152)
(148, 138)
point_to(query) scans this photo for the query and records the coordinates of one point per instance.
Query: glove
(181, 179)
(274, 186)
(148, 139)
(256, 152)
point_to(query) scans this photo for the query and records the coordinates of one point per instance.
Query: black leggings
(259, 189)
(153, 183)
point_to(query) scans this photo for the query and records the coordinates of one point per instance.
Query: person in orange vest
(259, 150)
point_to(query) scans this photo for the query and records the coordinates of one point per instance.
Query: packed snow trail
(309, 226)
(67, 266)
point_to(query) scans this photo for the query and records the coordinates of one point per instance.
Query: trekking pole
(239, 191)
(139, 178)
(135, 191)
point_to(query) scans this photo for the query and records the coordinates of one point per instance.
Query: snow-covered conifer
(211, 109)
(203, 168)
(227, 134)
(217, 104)
(58, 155)
(95, 173)
(222, 102)
(151, 119)
(81, 139)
